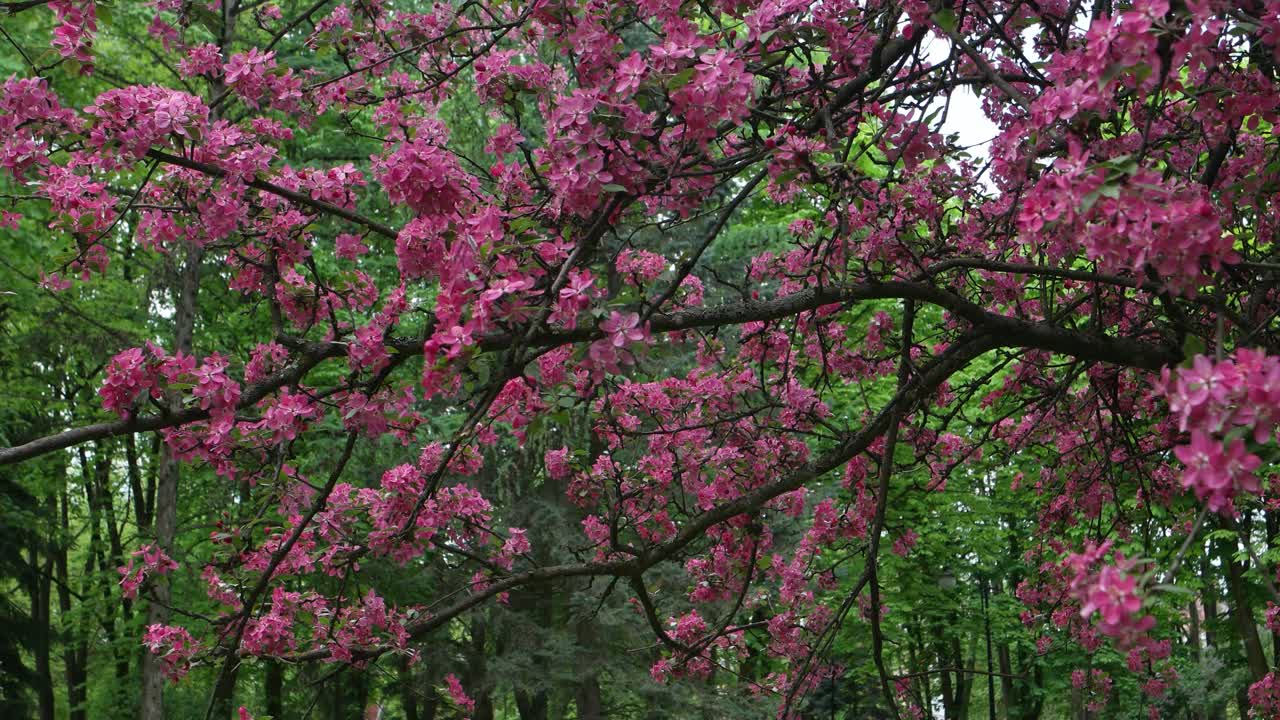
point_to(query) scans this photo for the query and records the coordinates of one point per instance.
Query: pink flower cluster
(289, 414)
(251, 75)
(174, 646)
(83, 208)
(1126, 217)
(136, 118)
(1097, 685)
(575, 296)
(265, 359)
(1212, 400)
(719, 91)
(902, 546)
(423, 176)
(128, 374)
(212, 387)
(152, 560)
(1264, 697)
(137, 370)
(77, 22)
(1111, 591)
(369, 624)
(202, 59)
(609, 353)
(638, 267)
(459, 696)
(28, 110)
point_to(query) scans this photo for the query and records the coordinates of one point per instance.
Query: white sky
(965, 116)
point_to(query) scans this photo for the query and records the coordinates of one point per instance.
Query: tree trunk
(1273, 531)
(166, 507)
(141, 510)
(1242, 612)
(40, 618)
(531, 706)
(110, 563)
(964, 680)
(477, 683)
(1193, 631)
(74, 650)
(1210, 579)
(948, 694)
(587, 695)
(408, 690)
(274, 688)
(1008, 700)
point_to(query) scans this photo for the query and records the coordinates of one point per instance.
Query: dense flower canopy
(1094, 289)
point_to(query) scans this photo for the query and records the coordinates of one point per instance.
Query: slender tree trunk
(1242, 613)
(1210, 594)
(42, 637)
(274, 688)
(587, 695)
(1273, 541)
(73, 651)
(336, 705)
(141, 507)
(1193, 631)
(166, 507)
(1008, 699)
(964, 680)
(408, 690)
(477, 682)
(948, 694)
(588, 700)
(158, 610)
(115, 560)
(531, 706)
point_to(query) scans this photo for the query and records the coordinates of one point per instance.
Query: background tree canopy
(583, 359)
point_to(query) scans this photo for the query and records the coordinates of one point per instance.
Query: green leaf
(1191, 347)
(206, 17)
(521, 224)
(945, 19)
(680, 79)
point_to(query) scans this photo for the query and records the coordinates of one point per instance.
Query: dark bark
(274, 689)
(1210, 578)
(74, 651)
(408, 690)
(105, 494)
(39, 589)
(586, 696)
(1273, 538)
(166, 504)
(477, 681)
(141, 507)
(1003, 332)
(531, 706)
(1193, 630)
(1242, 612)
(948, 693)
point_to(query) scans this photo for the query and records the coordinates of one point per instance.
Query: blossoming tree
(1093, 290)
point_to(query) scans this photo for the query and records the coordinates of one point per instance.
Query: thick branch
(952, 360)
(1005, 332)
(286, 193)
(311, 357)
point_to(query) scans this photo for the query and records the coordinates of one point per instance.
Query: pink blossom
(174, 646)
(557, 462)
(458, 695)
